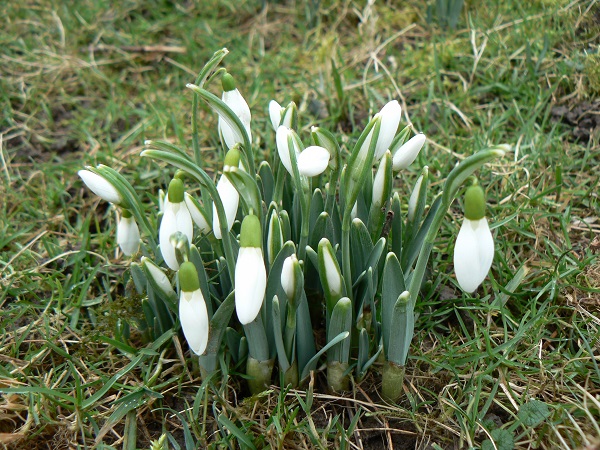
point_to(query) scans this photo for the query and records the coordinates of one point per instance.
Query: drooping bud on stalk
(128, 234)
(330, 274)
(100, 186)
(250, 272)
(229, 195)
(275, 113)
(288, 276)
(192, 309)
(390, 119)
(235, 101)
(382, 184)
(157, 278)
(474, 249)
(406, 154)
(197, 213)
(176, 218)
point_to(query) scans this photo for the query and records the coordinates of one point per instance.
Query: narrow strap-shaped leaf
(218, 324)
(268, 181)
(247, 187)
(278, 337)
(340, 321)
(168, 147)
(403, 324)
(361, 247)
(312, 363)
(317, 206)
(392, 287)
(196, 259)
(305, 340)
(416, 207)
(397, 226)
(410, 253)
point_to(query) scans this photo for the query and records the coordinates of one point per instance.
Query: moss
(591, 69)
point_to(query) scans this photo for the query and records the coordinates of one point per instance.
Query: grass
(89, 83)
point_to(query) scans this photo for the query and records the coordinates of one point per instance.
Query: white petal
(100, 186)
(250, 283)
(196, 214)
(275, 112)
(414, 197)
(194, 320)
(281, 136)
(379, 184)
(354, 211)
(238, 105)
(160, 278)
(183, 219)
(334, 279)
(287, 277)
(230, 198)
(313, 161)
(486, 247)
(128, 236)
(168, 226)
(390, 119)
(406, 154)
(473, 254)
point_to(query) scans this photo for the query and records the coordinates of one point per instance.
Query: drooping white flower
(250, 272)
(382, 183)
(100, 186)
(237, 103)
(474, 249)
(288, 277)
(176, 217)
(406, 154)
(228, 194)
(473, 253)
(197, 214)
(390, 119)
(311, 161)
(329, 265)
(128, 234)
(192, 309)
(275, 113)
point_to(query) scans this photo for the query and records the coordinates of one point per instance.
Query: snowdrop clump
(315, 230)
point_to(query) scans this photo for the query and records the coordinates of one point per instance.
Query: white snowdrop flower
(474, 249)
(192, 309)
(176, 217)
(237, 103)
(128, 234)
(406, 154)
(100, 186)
(250, 272)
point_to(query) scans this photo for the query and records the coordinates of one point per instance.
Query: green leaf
(397, 226)
(465, 169)
(341, 321)
(533, 413)
(403, 326)
(317, 206)
(413, 247)
(305, 339)
(218, 324)
(280, 347)
(239, 434)
(503, 439)
(267, 181)
(361, 247)
(247, 187)
(392, 286)
(312, 363)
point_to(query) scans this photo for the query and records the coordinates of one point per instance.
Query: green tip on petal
(125, 213)
(474, 203)
(176, 190)
(232, 158)
(228, 82)
(188, 277)
(251, 235)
